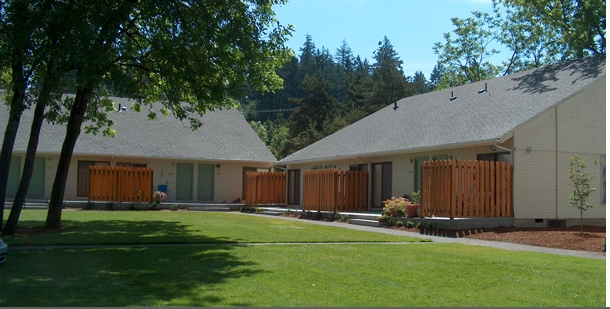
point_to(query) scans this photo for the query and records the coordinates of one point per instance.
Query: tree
(420, 83)
(19, 50)
(579, 25)
(389, 82)
(581, 180)
(465, 57)
(536, 33)
(185, 55)
(307, 122)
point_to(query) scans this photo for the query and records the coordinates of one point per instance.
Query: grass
(226, 271)
(178, 227)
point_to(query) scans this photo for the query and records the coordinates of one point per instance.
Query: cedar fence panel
(455, 189)
(333, 190)
(120, 184)
(265, 188)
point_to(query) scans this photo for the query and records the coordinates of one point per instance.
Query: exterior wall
(582, 131)
(574, 127)
(227, 178)
(403, 167)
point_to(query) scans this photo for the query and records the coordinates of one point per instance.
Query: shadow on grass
(187, 276)
(110, 232)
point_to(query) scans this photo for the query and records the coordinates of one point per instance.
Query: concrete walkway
(438, 239)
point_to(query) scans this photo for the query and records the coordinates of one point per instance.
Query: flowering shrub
(396, 207)
(158, 197)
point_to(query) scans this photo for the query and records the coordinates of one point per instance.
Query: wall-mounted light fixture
(218, 166)
(411, 160)
(529, 150)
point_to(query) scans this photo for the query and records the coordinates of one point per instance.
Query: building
(535, 119)
(206, 165)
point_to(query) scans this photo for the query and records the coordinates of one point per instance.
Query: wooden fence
(265, 188)
(120, 184)
(334, 190)
(457, 189)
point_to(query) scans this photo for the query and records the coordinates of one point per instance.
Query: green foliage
(410, 224)
(465, 56)
(578, 27)
(399, 223)
(536, 33)
(581, 180)
(110, 205)
(416, 197)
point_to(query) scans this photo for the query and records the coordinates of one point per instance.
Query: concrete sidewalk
(438, 239)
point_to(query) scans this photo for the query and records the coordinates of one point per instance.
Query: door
(82, 176)
(382, 183)
(417, 164)
(205, 182)
(184, 181)
(294, 187)
(36, 187)
(14, 175)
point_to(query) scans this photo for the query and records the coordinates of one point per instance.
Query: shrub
(410, 224)
(174, 207)
(396, 206)
(399, 223)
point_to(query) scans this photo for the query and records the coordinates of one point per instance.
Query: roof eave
(360, 156)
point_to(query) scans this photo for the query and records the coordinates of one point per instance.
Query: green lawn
(239, 261)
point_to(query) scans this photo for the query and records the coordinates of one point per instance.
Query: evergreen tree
(389, 82)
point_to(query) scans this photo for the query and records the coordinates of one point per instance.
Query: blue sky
(412, 26)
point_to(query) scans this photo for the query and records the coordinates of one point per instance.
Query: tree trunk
(10, 134)
(28, 168)
(77, 114)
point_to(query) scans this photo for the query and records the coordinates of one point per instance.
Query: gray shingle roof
(432, 120)
(224, 135)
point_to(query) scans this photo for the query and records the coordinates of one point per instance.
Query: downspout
(512, 154)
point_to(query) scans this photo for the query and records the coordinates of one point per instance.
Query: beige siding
(576, 126)
(534, 173)
(582, 132)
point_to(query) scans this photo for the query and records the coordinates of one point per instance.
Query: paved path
(463, 240)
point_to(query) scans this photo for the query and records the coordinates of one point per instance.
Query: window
(494, 156)
(440, 157)
(359, 167)
(329, 166)
(129, 164)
